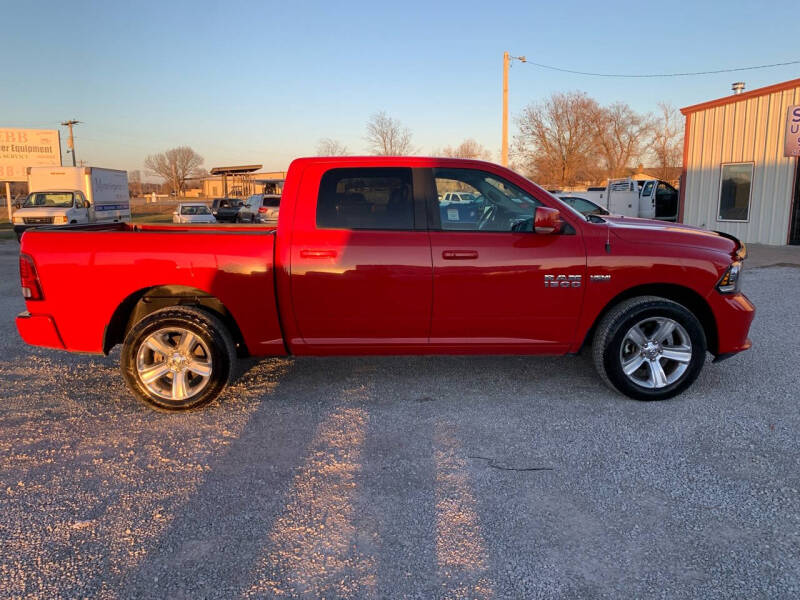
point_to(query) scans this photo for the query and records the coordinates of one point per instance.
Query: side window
(488, 203)
(368, 198)
(648, 188)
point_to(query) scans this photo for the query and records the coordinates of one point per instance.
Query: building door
(794, 230)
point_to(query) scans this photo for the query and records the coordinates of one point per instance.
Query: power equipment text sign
(23, 148)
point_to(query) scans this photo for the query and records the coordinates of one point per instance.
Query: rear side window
(368, 198)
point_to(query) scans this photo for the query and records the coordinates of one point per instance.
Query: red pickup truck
(370, 256)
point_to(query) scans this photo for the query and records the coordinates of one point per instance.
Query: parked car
(361, 263)
(464, 197)
(226, 209)
(584, 206)
(261, 208)
(193, 212)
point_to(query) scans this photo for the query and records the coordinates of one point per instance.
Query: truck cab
(55, 207)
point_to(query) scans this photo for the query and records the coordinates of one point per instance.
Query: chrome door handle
(459, 254)
(317, 253)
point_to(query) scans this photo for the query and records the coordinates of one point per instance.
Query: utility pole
(71, 139)
(507, 58)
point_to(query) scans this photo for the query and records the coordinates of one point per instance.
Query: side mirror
(546, 220)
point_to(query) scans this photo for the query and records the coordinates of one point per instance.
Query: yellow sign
(23, 148)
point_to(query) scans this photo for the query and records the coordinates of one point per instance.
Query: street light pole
(507, 58)
(504, 147)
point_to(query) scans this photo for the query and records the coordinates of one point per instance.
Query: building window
(734, 192)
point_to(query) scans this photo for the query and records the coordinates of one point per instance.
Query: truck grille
(38, 220)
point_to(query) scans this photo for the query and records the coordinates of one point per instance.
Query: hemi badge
(600, 277)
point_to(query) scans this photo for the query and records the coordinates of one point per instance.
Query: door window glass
(486, 203)
(368, 198)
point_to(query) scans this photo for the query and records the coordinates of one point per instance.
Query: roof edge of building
(762, 91)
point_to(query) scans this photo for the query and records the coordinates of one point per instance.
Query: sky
(263, 82)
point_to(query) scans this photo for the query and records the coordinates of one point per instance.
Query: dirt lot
(404, 477)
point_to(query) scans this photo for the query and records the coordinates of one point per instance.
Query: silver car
(193, 212)
(260, 208)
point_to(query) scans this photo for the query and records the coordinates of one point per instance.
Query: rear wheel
(649, 348)
(178, 358)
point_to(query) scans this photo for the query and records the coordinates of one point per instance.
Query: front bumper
(39, 330)
(734, 314)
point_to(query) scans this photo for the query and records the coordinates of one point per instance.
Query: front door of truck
(497, 285)
(84, 211)
(361, 273)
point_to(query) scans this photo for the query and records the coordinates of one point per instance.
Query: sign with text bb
(23, 148)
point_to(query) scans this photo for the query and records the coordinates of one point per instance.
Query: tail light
(263, 210)
(29, 279)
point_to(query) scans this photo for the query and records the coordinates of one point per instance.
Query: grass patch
(151, 218)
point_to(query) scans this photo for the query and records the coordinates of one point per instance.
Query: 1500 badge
(562, 281)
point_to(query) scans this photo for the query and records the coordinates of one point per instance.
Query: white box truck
(71, 195)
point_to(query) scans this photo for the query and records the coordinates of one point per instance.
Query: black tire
(612, 332)
(213, 339)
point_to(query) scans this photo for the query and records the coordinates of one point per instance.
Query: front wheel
(178, 358)
(649, 348)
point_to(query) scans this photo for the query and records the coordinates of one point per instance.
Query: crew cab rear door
(361, 270)
(497, 284)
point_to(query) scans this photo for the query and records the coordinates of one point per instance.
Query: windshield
(194, 210)
(587, 207)
(49, 199)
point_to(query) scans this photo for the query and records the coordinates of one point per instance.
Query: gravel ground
(404, 477)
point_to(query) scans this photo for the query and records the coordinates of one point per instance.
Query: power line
(651, 75)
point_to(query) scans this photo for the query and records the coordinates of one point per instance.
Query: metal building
(740, 172)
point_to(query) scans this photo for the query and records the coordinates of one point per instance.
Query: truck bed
(162, 228)
(108, 269)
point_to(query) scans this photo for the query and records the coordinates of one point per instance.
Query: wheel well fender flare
(141, 303)
(685, 296)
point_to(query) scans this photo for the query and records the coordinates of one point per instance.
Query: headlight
(730, 280)
(19, 220)
(62, 220)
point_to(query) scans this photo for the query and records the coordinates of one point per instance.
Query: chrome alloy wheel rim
(174, 364)
(655, 352)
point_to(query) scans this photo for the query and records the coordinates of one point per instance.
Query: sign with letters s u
(791, 146)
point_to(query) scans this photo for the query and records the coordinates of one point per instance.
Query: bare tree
(469, 148)
(175, 166)
(387, 136)
(555, 142)
(135, 183)
(620, 134)
(331, 147)
(667, 139)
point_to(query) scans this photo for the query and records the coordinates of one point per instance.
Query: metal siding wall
(747, 131)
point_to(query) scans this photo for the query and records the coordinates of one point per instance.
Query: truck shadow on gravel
(342, 465)
(335, 477)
